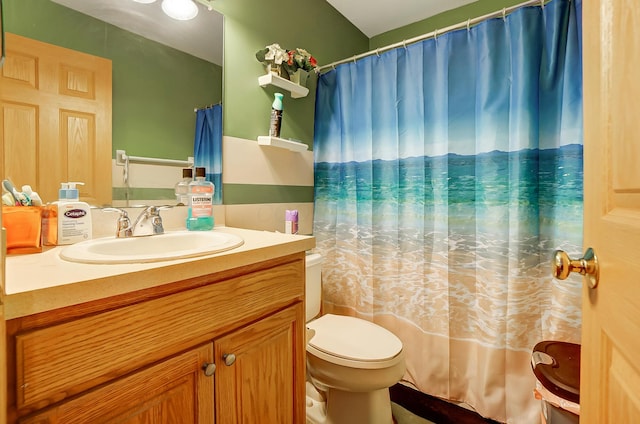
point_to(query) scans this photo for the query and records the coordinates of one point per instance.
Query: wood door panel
(78, 132)
(19, 124)
(173, 391)
(72, 93)
(610, 364)
(21, 67)
(77, 82)
(261, 385)
(623, 400)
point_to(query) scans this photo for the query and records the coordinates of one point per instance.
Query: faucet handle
(123, 225)
(153, 214)
(155, 210)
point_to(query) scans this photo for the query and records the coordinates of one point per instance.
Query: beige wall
(246, 162)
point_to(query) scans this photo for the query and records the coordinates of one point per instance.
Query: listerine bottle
(200, 213)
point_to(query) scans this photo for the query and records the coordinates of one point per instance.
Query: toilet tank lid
(353, 338)
(313, 259)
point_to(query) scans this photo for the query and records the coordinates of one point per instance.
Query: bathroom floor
(410, 406)
(404, 416)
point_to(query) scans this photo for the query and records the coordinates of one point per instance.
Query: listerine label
(201, 201)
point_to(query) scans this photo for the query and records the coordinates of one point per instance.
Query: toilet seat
(353, 342)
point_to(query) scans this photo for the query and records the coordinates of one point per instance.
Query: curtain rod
(434, 34)
(195, 109)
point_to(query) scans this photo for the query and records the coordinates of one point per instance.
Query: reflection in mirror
(155, 86)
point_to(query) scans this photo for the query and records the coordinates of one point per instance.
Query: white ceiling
(372, 17)
(193, 37)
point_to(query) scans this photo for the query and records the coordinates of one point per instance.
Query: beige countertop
(40, 282)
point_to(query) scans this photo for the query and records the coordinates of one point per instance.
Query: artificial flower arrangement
(272, 54)
(290, 61)
(301, 59)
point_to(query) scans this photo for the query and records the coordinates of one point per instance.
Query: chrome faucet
(148, 223)
(123, 224)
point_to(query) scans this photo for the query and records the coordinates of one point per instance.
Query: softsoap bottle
(200, 213)
(276, 115)
(68, 220)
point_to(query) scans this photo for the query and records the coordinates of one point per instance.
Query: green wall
(311, 24)
(155, 87)
(442, 20)
(251, 25)
(142, 123)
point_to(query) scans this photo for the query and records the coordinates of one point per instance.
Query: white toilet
(351, 363)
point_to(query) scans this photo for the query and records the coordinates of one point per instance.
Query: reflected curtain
(208, 146)
(446, 173)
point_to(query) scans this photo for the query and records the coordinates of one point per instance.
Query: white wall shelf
(297, 91)
(294, 146)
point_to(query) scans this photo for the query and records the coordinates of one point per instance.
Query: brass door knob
(562, 265)
(229, 359)
(209, 369)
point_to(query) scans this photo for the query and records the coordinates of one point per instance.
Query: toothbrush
(19, 198)
(8, 187)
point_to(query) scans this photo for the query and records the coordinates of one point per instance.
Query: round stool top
(556, 365)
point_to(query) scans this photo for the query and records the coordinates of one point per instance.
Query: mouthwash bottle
(200, 213)
(182, 187)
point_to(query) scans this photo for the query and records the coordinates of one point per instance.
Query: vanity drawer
(56, 362)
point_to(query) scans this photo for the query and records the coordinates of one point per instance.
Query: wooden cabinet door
(173, 391)
(55, 106)
(610, 365)
(261, 383)
(3, 331)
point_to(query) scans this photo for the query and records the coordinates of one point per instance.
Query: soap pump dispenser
(68, 220)
(73, 194)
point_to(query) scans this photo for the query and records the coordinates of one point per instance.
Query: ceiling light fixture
(145, 1)
(182, 10)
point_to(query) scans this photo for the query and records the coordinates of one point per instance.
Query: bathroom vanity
(218, 338)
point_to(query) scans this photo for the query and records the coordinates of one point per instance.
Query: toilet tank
(313, 285)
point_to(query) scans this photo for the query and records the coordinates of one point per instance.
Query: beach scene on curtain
(446, 174)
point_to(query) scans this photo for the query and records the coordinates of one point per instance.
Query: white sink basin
(162, 247)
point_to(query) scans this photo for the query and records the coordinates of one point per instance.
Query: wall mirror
(163, 69)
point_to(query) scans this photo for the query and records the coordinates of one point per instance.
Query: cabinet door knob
(209, 369)
(229, 359)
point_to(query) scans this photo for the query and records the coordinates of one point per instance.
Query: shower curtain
(446, 173)
(208, 146)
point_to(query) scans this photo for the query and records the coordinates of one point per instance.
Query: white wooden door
(610, 365)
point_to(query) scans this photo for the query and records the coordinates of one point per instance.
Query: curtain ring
(468, 24)
(504, 13)
(354, 59)
(404, 44)
(435, 34)
(378, 52)
(542, 4)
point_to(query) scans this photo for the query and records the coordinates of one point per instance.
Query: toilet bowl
(351, 363)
